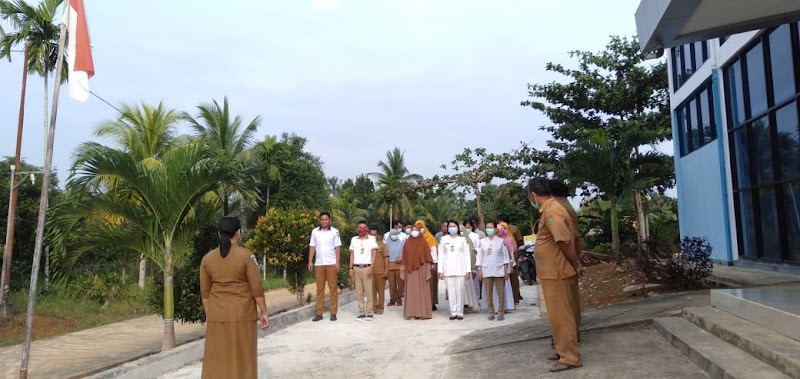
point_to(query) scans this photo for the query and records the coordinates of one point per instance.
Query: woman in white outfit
(493, 268)
(454, 268)
(491, 237)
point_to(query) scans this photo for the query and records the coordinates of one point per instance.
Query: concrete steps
(717, 357)
(769, 346)
(745, 333)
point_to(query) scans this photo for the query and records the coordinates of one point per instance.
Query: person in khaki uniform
(556, 264)
(380, 270)
(230, 288)
(560, 192)
(324, 255)
(516, 237)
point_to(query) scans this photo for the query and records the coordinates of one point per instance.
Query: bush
(283, 235)
(685, 266)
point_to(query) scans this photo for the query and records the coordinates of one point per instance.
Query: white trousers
(455, 294)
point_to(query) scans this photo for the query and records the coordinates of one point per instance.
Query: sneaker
(368, 318)
(490, 318)
(360, 318)
(500, 318)
(333, 317)
(317, 318)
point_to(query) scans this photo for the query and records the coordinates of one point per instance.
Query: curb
(158, 364)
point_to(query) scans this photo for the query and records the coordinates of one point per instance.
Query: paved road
(389, 347)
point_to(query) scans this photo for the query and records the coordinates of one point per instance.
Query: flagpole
(43, 200)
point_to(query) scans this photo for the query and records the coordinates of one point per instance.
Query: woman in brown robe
(416, 271)
(231, 288)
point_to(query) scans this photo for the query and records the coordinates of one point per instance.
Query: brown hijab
(416, 253)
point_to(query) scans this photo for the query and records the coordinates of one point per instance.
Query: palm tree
(145, 133)
(230, 139)
(154, 211)
(345, 211)
(38, 32)
(393, 181)
(268, 169)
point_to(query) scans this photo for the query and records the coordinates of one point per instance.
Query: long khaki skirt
(230, 350)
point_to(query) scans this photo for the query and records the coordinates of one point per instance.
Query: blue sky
(356, 78)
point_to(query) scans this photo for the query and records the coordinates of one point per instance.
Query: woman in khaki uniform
(231, 288)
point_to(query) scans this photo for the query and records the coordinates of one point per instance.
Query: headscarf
(416, 253)
(503, 233)
(429, 238)
(508, 233)
(472, 250)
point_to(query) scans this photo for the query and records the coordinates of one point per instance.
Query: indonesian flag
(79, 51)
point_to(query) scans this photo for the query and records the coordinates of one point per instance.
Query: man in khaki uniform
(324, 254)
(560, 192)
(394, 247)
(380, 270)
(556, 264)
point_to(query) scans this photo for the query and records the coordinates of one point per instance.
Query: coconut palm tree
(267, 166)
(230, 139)
(152, 210)
(393, 182)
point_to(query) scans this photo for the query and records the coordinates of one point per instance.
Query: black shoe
(459, 318)
(434, 307)
(452, 318)
(317, 318)
(333, 317)
(520, 297)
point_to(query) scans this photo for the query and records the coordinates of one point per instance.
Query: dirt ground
(603, 285)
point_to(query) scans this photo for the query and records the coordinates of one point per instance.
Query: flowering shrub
(685, 266)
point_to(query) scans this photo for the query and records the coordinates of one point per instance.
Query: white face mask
(415, 233)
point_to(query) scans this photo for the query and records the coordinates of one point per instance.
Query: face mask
(468, 231)
(362, 232)
(534, 204)
(415, 233)
(393, 237)
(408, 230)
(452, 230)
(489, 232)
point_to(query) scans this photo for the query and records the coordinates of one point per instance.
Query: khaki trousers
(363, 279)
(328, 274)
(378, 291)
(514, 276)
(559, 297)
(434, 286)
(490, 284)
(576, 303)
(396, 286)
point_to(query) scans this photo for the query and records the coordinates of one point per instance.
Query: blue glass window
(757, 80)
(791, 206)
(780, 51)
(770, 237)
(762, 150)
(788, 141)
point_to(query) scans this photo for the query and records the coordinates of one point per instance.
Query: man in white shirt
(398, 225)
(363, 249)
(324, 253)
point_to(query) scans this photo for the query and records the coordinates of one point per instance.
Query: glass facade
(696, 123)
(762, 94)
(686, 60)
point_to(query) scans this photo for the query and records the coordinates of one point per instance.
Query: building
(734, 71)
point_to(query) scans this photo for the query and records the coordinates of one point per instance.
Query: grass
(59, 314)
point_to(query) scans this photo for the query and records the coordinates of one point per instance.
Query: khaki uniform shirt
(231, 285)
(380, 263)
(515, 234)
(555, 226)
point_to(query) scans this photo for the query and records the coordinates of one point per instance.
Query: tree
(230, 139)
(154, 211)
(334, 183)
(394, 180)
(267, 168)
(282, 237)
(146, 133)
(303, 183)
(609, 108)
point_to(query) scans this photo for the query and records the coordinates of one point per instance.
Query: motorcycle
(527, 264)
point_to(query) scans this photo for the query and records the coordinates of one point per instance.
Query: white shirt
(453, 256)
(492, 255)
(325, 243)
(475, 238)
(362, 250)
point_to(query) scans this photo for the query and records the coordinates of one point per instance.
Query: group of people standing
(478, 268)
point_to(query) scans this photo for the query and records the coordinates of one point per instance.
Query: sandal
(553, 357)
(558, 367)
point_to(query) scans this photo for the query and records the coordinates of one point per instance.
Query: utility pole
(5, 277)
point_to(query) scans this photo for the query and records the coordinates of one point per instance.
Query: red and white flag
(79, 51)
